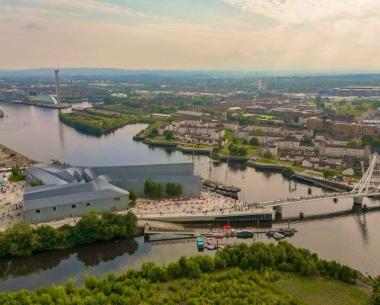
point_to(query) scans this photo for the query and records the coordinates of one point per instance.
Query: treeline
(242, 272)
(22, 239)
(154, 190)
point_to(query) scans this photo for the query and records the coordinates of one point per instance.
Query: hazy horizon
(333, 36)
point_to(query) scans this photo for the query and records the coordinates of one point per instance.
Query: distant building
(190, 114)
(74, 191)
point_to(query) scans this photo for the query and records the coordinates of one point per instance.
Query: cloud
(298, 11)
(33, 27)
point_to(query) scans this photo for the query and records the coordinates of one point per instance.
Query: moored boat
(200, 243)
(278, 236)
(244, 234)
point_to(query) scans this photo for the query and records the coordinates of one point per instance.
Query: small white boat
(278, 236)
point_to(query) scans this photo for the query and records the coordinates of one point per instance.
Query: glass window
(73, 206)
(38, 211)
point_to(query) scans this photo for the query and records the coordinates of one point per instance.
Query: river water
(37, 133)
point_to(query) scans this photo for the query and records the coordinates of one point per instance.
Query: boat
(230, 189)
(278, 236)
(244, 234)
(200, 243)
(218, 235)
(287, 232)
(270, 233)
(227, 194)
(211, 247)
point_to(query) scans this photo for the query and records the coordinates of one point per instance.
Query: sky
(326, 35)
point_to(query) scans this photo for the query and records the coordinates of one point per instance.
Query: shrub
(173, 189)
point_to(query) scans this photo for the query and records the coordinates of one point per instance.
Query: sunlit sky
(191, 34)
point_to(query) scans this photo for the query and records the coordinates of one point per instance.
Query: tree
(152, 189)
(306, 140)
(168, 134)
(17, 174)
(132, 196)
(254, 142)
(173, 189)
(327, 174)
(237, 150)
(48, 238)
(153, 133)
(21, 239)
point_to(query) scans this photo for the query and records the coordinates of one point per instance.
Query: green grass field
(321, 291)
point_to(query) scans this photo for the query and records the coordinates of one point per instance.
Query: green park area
(349, 108)
(256, 274)
(98, 122)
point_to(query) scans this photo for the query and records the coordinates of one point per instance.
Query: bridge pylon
(363, 187)
(358, 200)
(278, 212)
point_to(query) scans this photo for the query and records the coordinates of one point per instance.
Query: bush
(132, 196)
(17, 174)
(168, 135)
(254, 142)
(237, 150)
(153, 133)
(152, 189)
(36, 182)
(173, 189)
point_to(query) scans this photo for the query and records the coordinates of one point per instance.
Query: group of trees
(237, 150)
(17, 174)
(244, 273)
(154, 189)
(92, 125)
(22, 239)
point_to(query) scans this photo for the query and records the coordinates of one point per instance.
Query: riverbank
(43, 105)
(240, 270)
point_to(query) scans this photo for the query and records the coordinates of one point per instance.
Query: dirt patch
(9, 158)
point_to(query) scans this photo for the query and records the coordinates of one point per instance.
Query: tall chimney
(57, 88)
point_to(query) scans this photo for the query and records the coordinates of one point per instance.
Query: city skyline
(217, 34)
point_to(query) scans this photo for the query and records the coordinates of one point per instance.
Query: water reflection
(361, 220)
(89, 255)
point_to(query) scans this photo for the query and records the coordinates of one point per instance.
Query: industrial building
(74, 191)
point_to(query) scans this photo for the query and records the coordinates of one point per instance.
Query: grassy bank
(256, 274)
(97, 123)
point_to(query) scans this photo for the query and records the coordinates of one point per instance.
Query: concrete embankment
(266, 167)
(332, 185)
(328, 215)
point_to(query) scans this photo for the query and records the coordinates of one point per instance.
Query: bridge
(366, 187)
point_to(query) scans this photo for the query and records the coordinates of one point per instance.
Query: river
(37, 133)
